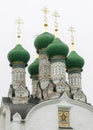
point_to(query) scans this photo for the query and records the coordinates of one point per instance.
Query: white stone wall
(5, 123)
(16, 123)
(2, 121)
(45, 117)
(58, 71)
(18, 77)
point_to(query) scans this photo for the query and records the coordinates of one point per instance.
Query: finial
(56, 15)
(19, 22)
(45, 11)
(71, 29)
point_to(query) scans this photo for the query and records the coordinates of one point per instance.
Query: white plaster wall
(45, 117)
(7, 120)
(5, 123)
(2, 122)
(15, 125)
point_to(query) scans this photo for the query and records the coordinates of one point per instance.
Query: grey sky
(78, 13)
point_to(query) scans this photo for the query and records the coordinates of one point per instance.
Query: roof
(22, 109)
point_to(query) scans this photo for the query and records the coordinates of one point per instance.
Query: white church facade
(57, 101)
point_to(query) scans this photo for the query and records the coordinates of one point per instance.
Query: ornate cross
(56, 15)
(71, 29)
(45, 11)
(19, 22)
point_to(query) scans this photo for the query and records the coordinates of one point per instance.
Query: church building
(57, 101)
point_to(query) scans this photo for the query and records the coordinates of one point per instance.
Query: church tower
(41, 42)
(74, 64)
(57, 52)
(33, 70)
(18, 58)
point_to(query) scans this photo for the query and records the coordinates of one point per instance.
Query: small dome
(74, 61)
(33, 69)
(57, 48)
(43, 40)
(18, 54)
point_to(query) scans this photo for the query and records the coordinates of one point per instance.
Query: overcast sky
(78, 13)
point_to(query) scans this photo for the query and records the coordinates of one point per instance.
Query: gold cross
(19, 22)
(56, 15)
(45, 11)
(71, 29)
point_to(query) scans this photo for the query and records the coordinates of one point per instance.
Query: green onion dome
(74, 61)
(18, 55)
(57, 48)
(43, 40)
(33, 69)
